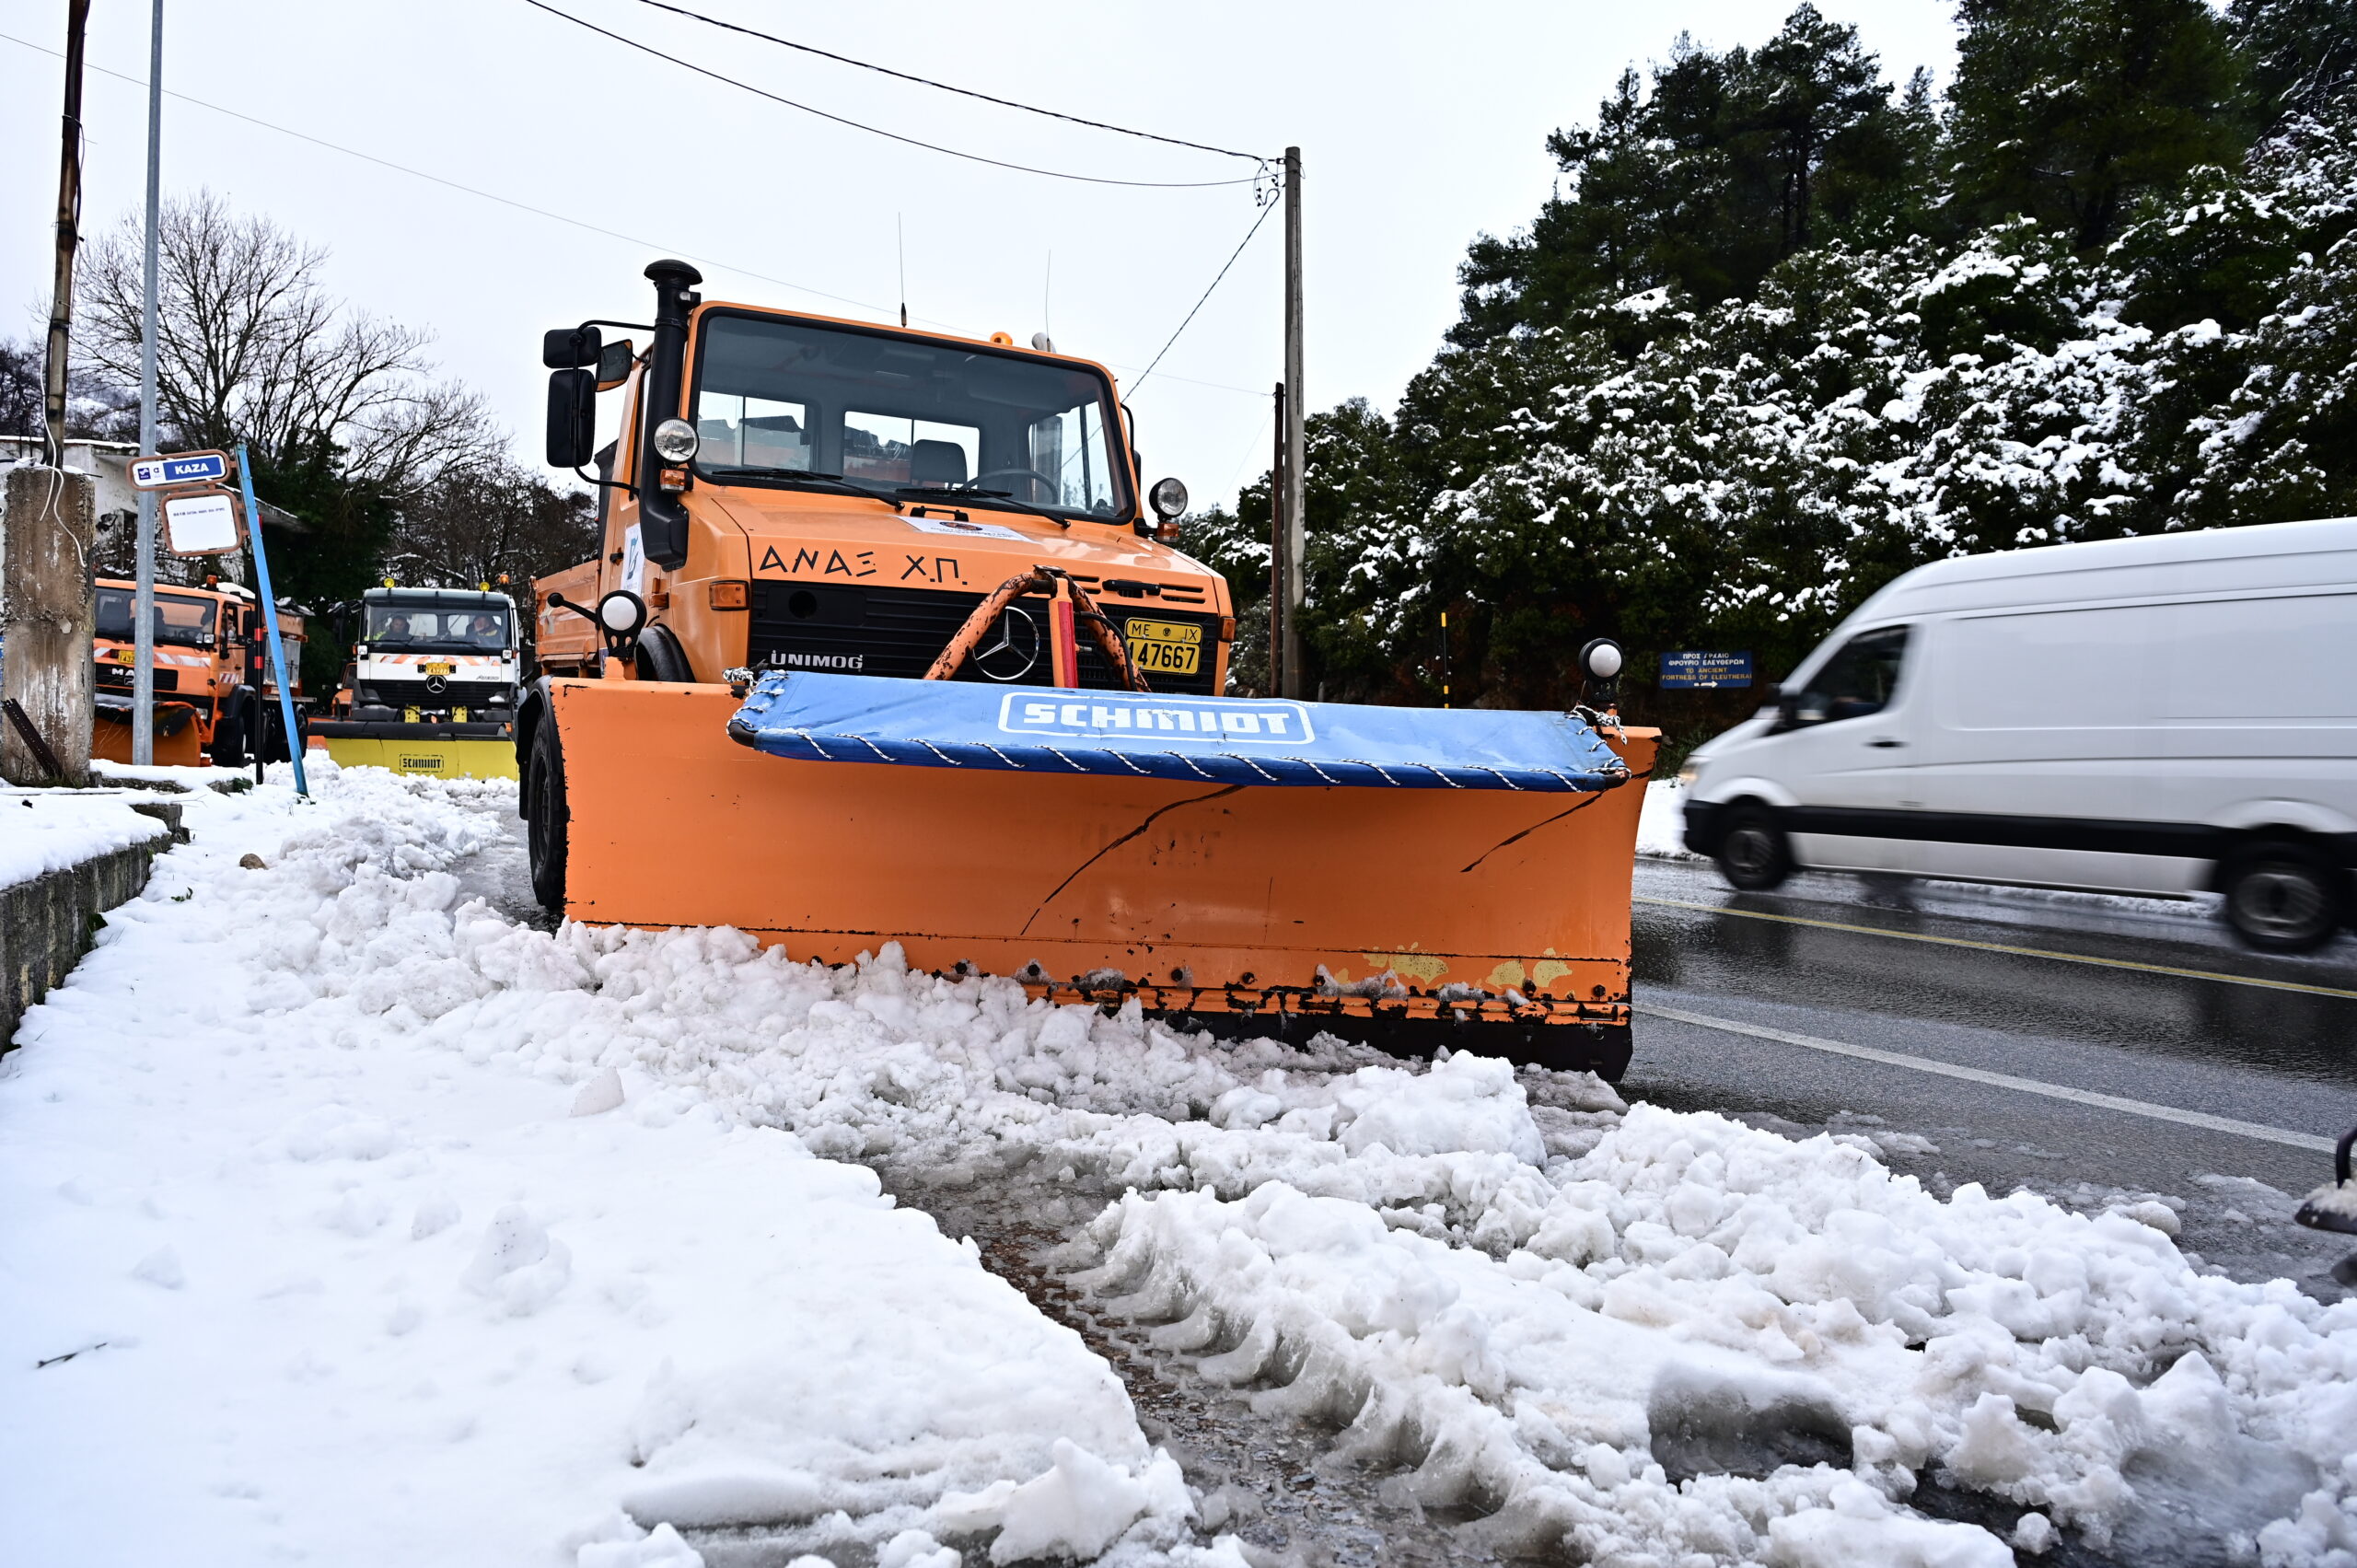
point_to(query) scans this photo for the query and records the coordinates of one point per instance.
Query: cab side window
(1861, 679)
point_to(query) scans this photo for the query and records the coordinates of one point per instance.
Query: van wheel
(2285, 898)
(1754, 855)
(545, 822)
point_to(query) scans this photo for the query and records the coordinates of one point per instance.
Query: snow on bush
(365, 1113)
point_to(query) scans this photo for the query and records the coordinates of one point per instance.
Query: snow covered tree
(2070, 111)
(1730, 163)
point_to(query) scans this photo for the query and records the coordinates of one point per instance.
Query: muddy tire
(546, 815)
(2284, 897)
(1754, 855)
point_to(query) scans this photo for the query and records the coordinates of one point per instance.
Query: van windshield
(1859, 680)
(888, 414)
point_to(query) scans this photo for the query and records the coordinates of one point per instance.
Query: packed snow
(1661, 822)
(357, 1219)
(54, 829)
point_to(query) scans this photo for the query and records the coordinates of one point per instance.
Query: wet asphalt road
(2282, 1058)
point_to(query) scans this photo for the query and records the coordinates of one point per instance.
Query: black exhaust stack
(663, 521)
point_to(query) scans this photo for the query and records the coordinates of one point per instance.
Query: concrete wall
(46, 616)
(48, 924)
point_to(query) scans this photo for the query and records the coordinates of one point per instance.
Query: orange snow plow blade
(1494, 920)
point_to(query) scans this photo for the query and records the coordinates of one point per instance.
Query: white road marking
(2004, 947)
(1999, 1080)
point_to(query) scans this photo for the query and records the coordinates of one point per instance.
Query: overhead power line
(877, 130)
(584, 226)
(945, 87)
(1207, 294)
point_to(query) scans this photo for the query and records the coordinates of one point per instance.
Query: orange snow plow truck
(885, 644)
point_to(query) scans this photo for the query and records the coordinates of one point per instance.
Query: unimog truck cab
(792, 491)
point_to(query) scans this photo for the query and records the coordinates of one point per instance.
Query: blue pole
(269, 619)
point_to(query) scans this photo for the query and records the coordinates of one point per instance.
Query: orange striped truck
(213, 679)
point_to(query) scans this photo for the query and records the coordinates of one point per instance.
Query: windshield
(472, 629)
(181, 621)
(888, 413)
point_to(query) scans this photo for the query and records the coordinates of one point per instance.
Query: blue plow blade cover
(1245, 740)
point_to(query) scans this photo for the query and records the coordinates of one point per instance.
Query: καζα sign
(179, 468)
(1691, 669)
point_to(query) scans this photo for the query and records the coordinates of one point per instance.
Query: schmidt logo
(1103, 716)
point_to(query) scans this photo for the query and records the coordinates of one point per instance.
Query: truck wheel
(661, 658)
(2284, 898)
(1754, 854)
(229, 732)
(545, 823)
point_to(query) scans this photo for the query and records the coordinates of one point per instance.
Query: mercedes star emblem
(1011, 648)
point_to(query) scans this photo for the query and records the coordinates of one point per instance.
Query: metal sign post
(143, 604)
(269, 619)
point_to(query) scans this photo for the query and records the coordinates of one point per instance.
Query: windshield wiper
(999, 500)
(804, 479)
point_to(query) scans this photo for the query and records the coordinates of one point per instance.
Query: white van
(2158, 715)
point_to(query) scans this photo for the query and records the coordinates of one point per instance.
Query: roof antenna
(1047, 290)
(901, 240)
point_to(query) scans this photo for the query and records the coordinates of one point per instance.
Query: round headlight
(675, 441)
(1601, 658)
(1168, 498)
(621, 613)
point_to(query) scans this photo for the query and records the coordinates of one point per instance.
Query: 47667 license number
(1169, 647)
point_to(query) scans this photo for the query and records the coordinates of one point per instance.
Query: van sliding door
(2039, 758)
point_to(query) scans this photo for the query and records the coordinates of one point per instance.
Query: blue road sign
(1691, 669)
(180, 468)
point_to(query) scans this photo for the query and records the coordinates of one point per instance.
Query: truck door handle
(1886, 742)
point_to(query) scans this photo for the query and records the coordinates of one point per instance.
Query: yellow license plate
(1165, 647)
(124, 656)
(442, 668)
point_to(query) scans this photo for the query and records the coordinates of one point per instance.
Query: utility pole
(1277, 551)
(69, 234)
(143, 614)
(1295, 454)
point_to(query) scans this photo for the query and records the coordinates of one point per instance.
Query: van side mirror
(573, 417)
(569, 348)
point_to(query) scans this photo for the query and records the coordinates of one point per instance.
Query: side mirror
(570, 348)
(613, 365)
(573, 417)
(1796, 709)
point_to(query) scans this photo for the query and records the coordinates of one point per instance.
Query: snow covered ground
(380, 1226)
(1661, 823)
(49, 830)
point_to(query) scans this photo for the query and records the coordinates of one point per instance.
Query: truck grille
(899, 632)
(454, 693)
(117, 678)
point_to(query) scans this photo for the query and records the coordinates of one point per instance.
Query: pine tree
(2070, 111)
(1731, 162)
(2302, 54)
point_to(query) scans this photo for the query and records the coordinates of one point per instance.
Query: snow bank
(51, 829)
(381, 1216)
(1661, 825)
(291, 1273)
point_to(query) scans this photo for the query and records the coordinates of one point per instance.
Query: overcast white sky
(1421, 125)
